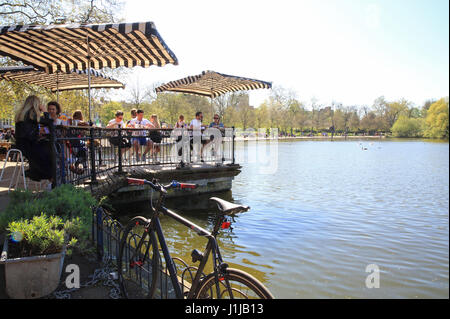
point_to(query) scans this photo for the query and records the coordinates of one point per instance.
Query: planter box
(31, 277)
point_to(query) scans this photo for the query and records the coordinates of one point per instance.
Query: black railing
(106, 236)
(83, 152)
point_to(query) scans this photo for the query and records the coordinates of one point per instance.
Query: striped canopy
(213, 84)
(53, 48)
(75, 80)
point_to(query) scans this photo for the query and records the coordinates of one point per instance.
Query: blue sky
(347, 51)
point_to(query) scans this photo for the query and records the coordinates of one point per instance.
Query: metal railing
(83, 152)
(106, 236)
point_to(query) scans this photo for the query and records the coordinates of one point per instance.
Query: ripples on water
(331, 209)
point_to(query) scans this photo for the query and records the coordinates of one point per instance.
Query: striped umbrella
(53, 48)
(213, 84)
(65, 47)
(75, 80)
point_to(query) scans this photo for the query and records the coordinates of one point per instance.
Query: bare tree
(59, 11)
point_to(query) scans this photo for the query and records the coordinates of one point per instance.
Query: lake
(329, 219)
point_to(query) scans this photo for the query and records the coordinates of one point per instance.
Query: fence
(6, 123)
(82, 152)
(106, 236)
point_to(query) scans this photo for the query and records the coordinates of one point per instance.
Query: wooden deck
(210, 178)
(207, 176)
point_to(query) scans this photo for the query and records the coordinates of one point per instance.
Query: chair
(16, 175)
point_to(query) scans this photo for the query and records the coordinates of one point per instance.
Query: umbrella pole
(57, 86)
(89, 78)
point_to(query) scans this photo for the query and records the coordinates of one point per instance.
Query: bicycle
(144, 234)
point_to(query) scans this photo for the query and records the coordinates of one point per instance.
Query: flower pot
(31, 277)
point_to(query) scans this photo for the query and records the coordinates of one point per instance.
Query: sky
(343, 51)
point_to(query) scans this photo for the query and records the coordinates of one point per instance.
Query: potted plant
(33, 255)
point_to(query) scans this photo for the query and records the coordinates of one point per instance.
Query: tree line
(280, 110)
(399, 118)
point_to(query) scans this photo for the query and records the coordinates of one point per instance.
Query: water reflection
(203, 212)
(331, 209)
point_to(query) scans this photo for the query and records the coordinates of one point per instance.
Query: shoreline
(242, 138)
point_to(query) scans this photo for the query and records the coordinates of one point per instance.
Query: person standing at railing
(155, 135)
(117, 122)
(30, 139)
(54, 109)
(133, 115)
(196, 126)
(216, 123)
(140, 136)
(180, 123)
(77, 147)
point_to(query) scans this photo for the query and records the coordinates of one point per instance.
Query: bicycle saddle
(228, 208)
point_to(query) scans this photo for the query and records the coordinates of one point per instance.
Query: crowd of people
(33, 119)
(148, 141)
(32, 137)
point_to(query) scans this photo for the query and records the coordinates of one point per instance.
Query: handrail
(83, 152)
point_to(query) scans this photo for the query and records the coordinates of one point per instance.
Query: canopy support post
(89, 78)
(57, 86)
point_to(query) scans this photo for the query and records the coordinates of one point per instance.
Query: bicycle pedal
(138, 263)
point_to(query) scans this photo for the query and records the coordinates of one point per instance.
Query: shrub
(67, 205)
(437, 120)
(42, 235)
(65, 201)
(407, 127)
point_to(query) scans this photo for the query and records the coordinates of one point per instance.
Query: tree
(437, 120)
(62, 11)
(370, 122)
(108, 111)
(395, 110)
(407, 127)
(262, 116)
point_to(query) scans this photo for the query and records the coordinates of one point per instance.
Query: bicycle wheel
(138, 261)
(235, 284)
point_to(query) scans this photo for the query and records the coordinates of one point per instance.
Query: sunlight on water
(330, 210)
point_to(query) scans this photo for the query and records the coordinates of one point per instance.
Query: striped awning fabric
(75, 80)
(53, 48)
(213, 84)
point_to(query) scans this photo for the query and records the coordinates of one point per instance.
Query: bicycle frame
(211, 246)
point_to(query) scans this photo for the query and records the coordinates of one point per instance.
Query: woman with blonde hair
(31, 109)
(30, 141)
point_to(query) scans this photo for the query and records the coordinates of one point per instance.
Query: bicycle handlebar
(158, 187)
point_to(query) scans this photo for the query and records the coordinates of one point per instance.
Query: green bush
(68, 205)
(42, 235)
(437, 122)
(408, 127)
(65, 201)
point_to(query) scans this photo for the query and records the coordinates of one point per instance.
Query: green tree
(262, 116)
(108, 111)
(407, 127)
(437, 120)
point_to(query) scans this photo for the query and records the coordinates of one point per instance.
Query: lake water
(323, 211)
